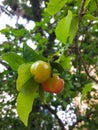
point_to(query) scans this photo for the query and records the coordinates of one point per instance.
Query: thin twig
(4, 64)
(6, 10)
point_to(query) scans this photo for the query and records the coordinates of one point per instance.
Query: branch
(4, 64)
(6, 10)
(82, 11)
(84, 65)
(54, 113)
(77, 51)
(80, 14)
(36, 10)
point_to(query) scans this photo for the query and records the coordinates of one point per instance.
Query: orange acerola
(53, 85)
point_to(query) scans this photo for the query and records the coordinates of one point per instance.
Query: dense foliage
(65, 35)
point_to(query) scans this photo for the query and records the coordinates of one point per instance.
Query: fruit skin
(41, 71)
(53, 85)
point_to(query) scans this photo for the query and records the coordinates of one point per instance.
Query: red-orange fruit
(54, 84)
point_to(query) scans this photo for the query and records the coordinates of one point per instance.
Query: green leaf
(57, 66)
(6, 30)
(86, 3)
(55, 5)
(92, 6)
(73, 28)
(65, 61)
(63, 28)
(86, 89)
(13, 59)
(30, 86)
(68, 85)
(30, 55)
(42, 95)
(19, 32)
(24, 105)
(24, 75)
(90, 17)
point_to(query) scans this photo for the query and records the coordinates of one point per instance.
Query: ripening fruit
(53, 85)
(41, 71)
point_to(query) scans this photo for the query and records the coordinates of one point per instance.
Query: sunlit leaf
(73, 28)
(30, 86)
(55, 5)
(24, 105)
(87, 88)
(5, 30)
(86, 3)
(63, 28)
(13, 59)
(19, 32)
(65, 61)
(24, 75)
(90, 17)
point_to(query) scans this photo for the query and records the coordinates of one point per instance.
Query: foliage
(65, 34)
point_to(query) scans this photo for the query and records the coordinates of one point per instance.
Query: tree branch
(77, 51)
(54, 113)
(4, 64)
(85, 68)
(6, 10)
(81, 12)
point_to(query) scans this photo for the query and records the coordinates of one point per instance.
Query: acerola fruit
(53, 85)
(41, 71)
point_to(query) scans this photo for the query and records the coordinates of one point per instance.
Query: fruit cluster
(41, 72)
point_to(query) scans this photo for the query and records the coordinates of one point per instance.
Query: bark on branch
(81, 13)
(55, 114)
